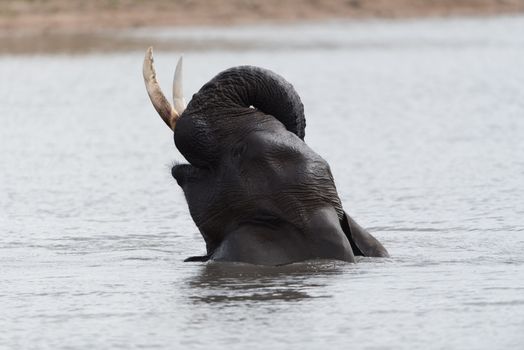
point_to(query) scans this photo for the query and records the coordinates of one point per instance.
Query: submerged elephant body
(255, 190)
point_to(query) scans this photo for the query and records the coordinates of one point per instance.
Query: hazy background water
(421, 121)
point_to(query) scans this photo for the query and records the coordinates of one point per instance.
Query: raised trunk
(223, 103)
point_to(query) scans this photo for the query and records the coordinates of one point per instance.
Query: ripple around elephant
(256, 191)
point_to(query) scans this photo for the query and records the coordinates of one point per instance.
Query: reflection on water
(284, 294)
(421, 122)
(233, 282)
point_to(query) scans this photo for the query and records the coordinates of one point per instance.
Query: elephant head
(256, 191)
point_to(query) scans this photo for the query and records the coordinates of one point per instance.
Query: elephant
(256, 191)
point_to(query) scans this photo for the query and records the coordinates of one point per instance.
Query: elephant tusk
(163, 107)
(178, 92)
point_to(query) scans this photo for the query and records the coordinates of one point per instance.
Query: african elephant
(255, 190)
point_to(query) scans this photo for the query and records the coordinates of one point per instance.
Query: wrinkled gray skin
(256, 191)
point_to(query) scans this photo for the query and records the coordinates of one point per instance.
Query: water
(421, 121)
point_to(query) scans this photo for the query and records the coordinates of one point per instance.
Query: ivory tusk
(166, 111)
(178, 93)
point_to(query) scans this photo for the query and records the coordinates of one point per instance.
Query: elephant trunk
(221, 108)
(247, 86)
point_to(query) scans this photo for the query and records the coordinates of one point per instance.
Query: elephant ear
(247, 86)
(362, 242)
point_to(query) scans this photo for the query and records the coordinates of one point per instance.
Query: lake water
(421, 121)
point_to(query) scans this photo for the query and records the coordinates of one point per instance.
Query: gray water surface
(421, 121)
